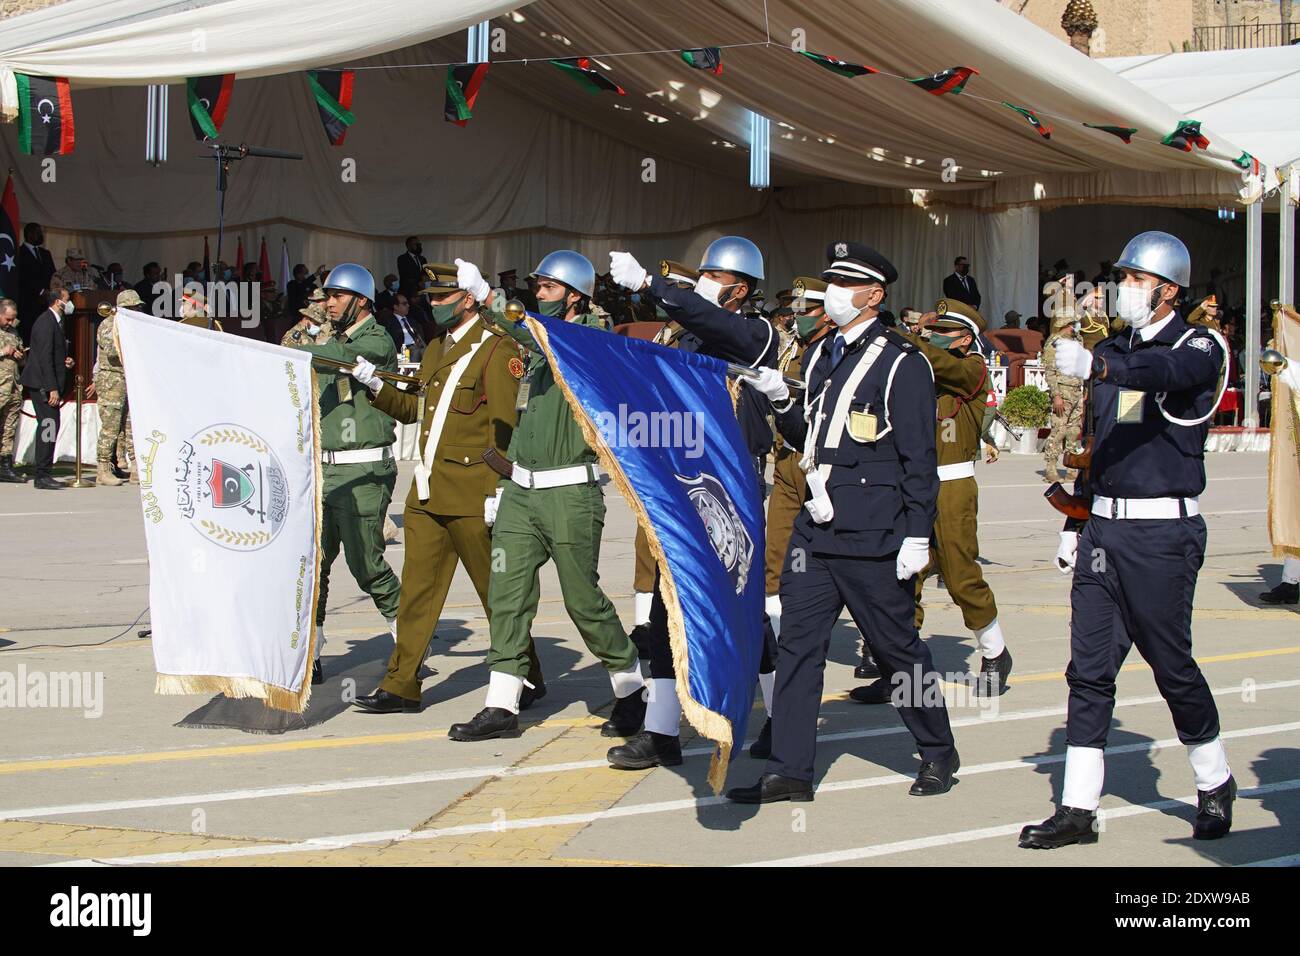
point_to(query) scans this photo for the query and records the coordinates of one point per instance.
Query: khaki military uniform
(1066, 426)
(11, 392)
(76, 280)
(481, 370)
(789, 483)
(961, 386)
(110, 394)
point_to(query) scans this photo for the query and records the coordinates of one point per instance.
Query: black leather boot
(868, 668)
(935, 777)
(382, 702)
(875, 693)
(761, 748)
(488, 723)
(7, 473)
(994, 671)
(647, 749)
(772, 787)
(1214, 811)
(628, 715)
(640, 636)
(1068, 825)
(1282, 594)
(317, 673)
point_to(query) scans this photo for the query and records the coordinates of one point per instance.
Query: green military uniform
(562, 524)
(1067, 425)
(356, 495)
(470, 377)
(961, 384)
(11, 393)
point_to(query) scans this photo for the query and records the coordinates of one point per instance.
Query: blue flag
(663, 424)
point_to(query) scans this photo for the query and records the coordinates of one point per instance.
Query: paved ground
(131, 786)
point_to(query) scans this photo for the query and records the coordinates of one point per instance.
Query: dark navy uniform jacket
(1154, 458)
(733, 337)
(884, 490)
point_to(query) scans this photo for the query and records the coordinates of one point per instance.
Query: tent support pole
(1254, 290)
(1286, 240)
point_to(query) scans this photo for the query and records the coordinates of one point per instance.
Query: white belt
(356, 456)
(554, 477)
(1145, 507)
(962, 469)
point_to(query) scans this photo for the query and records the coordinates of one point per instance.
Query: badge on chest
(862, 425)
(1128, 407)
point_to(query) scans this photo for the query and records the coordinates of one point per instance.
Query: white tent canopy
(545, 164)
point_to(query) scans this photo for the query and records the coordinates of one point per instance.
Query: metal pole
(81, 395)
(1254, 290)
(1286, 240)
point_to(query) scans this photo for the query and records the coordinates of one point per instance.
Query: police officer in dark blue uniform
(1155, 386)
(866, 427)
(718, 321)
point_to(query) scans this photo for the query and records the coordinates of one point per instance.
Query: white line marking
(473, 773)
(570, 819)
(44, 514)
(1010, 829)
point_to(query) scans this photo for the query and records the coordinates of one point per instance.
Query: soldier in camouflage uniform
(110, 391)
(11, 390)
(315, 327)
(75, 274)
(1067, 401)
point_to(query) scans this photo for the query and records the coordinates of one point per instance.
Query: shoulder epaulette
(891, 335)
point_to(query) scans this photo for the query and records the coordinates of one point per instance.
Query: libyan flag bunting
(333, 92)
(949, 81)
(1247, 162)
(209, 98)
(45, 115)
(1123, 132)
(1034, 121)
(708, 58)
(579, 67)
(1186, 136)
(463, 82)
(838, 66)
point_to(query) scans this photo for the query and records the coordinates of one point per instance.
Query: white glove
(1066, 553)
(771, 383)
(913, 556)
(626, 271)
(364, 372)
(819, 502)
(490, 506)
(1290, 376)
(470, 279)
(1073, 359)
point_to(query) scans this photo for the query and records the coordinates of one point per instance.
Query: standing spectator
(144, 288)
(43, 376)
(35, 268)
(11, 391)
(961, 284)
(410, 266)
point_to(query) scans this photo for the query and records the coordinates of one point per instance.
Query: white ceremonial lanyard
(425, 466)
(845, 399)
(1223, 385)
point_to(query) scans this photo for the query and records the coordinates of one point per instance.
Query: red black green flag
(9, 242)
(1123, 132)
(333, 92)
(1186, 136)
(1034, 121)
(45, 123)
(838, 66)
(463, 82)
(706, 58)
(580, 68)
(209, 98)
(1247, 161)
(952, 80)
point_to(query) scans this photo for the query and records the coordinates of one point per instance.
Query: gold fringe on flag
(708, 722)
(1284, 446)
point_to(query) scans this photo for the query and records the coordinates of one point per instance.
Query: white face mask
(710, 290)
(68, 308)
(839, 304)
(1133, 305)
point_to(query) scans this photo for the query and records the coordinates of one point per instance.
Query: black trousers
(1133, 585)
(47, 431)
(661, 655)
(815, 587)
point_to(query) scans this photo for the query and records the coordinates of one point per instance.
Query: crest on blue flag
(663, 424)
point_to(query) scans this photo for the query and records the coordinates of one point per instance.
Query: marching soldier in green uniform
(1067, 401)
(11, 389)
(471, 377)
(550, 508)
(961, 381)
(110, 391)
(356, 448)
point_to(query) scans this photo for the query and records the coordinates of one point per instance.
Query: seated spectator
(1011, 320)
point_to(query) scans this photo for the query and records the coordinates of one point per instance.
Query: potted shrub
(1027, 409)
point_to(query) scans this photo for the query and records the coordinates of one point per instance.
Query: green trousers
(355, 499)
(551, 524)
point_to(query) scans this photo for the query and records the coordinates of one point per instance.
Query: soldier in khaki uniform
(75, 273)
(1067, 402)
(471, 378)
(110, 391)
(11, 389)
(961, 383)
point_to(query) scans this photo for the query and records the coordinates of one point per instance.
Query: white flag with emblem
(227, 446)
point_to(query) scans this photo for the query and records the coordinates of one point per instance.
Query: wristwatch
(1098, 367)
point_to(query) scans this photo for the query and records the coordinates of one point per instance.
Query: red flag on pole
(263, 265)
(239, 259)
